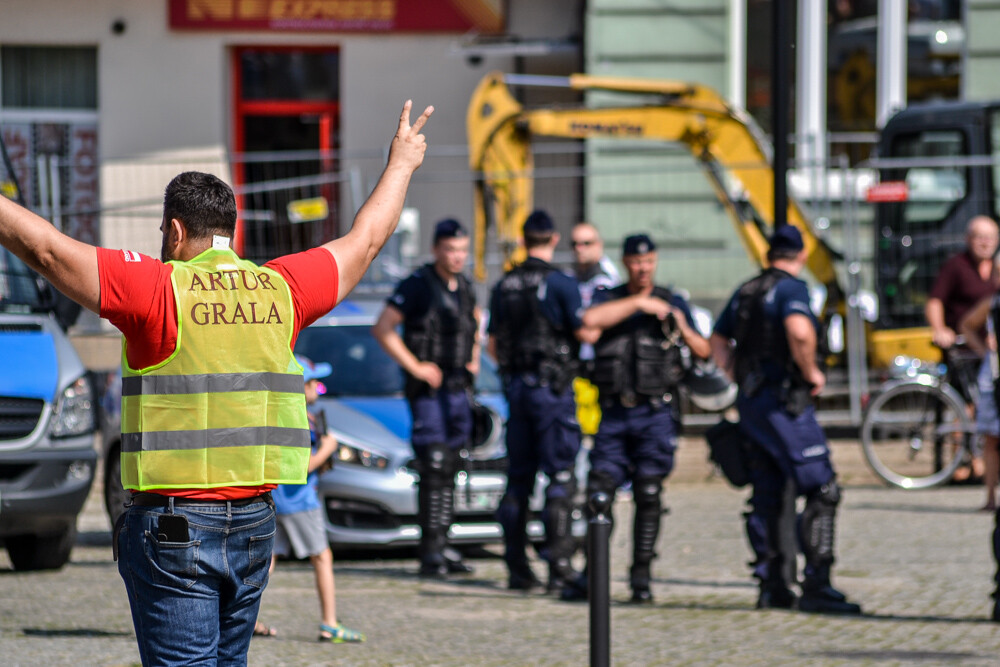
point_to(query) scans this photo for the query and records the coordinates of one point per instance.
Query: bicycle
(917, 430)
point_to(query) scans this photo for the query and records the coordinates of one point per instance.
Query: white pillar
(891, 64)
(738, 53)
(810, 89)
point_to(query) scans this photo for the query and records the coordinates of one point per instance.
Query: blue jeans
(196, 602)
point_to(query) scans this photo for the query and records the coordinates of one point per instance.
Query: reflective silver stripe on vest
(212, 438)
(211, 383)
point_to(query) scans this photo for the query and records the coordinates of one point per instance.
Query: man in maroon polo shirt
(963, 281)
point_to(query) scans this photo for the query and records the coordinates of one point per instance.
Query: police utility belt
(630, 399)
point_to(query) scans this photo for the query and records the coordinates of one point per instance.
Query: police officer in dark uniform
(766, 338)
(647, 331)
(439, 353)
(535, 329)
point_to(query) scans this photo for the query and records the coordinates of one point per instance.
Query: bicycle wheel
(914, 435)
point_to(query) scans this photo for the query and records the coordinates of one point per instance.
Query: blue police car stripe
(155, 441)
(392, 413)
(212, 384)
(28, 365)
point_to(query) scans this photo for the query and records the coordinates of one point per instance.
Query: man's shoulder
(791, 285)
(560, 278)
(604, 293)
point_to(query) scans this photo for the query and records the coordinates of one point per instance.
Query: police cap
(786, 237)
(539, 222)
(449, 228)
(637, 244)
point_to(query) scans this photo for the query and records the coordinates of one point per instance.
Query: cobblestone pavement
(918, 562)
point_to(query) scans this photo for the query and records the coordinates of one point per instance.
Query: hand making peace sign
(408, 146)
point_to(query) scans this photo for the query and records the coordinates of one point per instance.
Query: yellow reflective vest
(227, 408)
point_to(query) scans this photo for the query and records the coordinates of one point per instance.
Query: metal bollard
(599, 568)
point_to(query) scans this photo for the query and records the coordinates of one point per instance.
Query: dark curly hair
(203, 202)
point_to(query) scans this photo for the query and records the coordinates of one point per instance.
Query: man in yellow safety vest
(213, 409)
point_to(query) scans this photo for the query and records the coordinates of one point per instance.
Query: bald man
(964, 280)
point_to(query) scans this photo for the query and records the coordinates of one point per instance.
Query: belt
(144, 499)
(632, 400)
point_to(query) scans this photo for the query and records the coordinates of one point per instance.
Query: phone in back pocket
(172, 528)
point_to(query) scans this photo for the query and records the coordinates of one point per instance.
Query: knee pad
(818, 522)
(438, 461)
(561, 485)
(646, 492)
(598, 480)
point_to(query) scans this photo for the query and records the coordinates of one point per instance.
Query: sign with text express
(459, 16)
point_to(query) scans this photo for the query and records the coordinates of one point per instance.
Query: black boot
(436, 500)
(820, 597)
(576, 590)
(453, 561)
(775, 595)
(512, 515)
(522, 578)
(645, 530)
(432, 540)
(639, 578)
(560, 543)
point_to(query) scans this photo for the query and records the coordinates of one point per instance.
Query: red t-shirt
(959, 287)
(137, 297)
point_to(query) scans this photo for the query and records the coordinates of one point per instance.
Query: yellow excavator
(724, 139)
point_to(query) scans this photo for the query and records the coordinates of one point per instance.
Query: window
(300, 75)
(933, 190)
(48, 122)
(913, 241)
(44, 77)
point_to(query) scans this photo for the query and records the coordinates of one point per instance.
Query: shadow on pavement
(919, 509)
(896, 654)
(707, 583)
(93, 538)
(74, 632)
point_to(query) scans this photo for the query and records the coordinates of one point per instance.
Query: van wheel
(115, 496)
(34, 552)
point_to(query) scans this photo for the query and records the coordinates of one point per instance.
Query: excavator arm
(725, 140)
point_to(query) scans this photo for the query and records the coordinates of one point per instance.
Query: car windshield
(361, 367)
(18, 286)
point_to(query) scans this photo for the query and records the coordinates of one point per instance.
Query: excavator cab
(943, 153)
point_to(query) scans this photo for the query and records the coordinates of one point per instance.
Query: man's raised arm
(70, 265)
(376, 221)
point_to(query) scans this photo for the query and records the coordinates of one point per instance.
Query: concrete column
(891, 63)
(738, 53)
(810, 89)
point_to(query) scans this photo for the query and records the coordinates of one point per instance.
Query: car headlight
(73, 413)
(352, 453)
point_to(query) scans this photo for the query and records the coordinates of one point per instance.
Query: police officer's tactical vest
(446, 333)
(227, 408)
(758, 338)
(640, 355)
(526, 341)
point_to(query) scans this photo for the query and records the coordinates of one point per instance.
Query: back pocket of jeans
(172, 563)
(260, 548)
